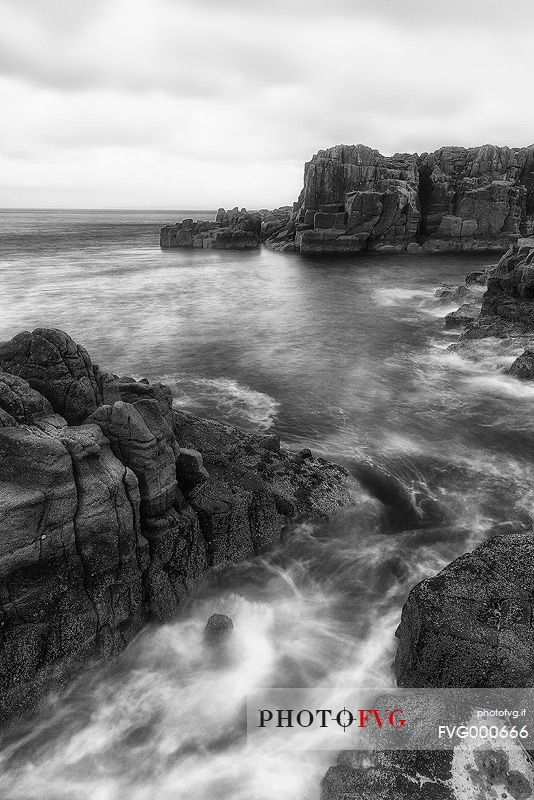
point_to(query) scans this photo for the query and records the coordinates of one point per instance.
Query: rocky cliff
(113, 505)
(354, 199)
(232, 230)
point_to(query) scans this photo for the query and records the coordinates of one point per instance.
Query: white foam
(395, 296)
(229, 400)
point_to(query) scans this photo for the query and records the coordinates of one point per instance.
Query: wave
(223, 399)
(395, 296)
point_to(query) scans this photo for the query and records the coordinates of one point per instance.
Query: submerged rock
(453, 294)
(109, 516)
(218, 628)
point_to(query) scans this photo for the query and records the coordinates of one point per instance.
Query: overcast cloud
(170, 103)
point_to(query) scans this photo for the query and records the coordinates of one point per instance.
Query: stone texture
(471, 625)
(454, 199)
(106, 522)
(232, 230)
(466, 314)
(508, 304)
(218, 628)
(60, 370)
(523, 366)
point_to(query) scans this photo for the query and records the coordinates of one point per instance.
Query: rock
(471, 625)
(218, 629)
(466, 314)
(453, 294)
(523, 366)
(232, 230)
(70, 580)
(60, 370)
(354, 199)
(111, 523)
(388, 489)
(478, 277)
(389, 775)
(190, 469)
(508, 304)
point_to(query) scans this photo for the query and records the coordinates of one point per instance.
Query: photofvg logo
(325, 717)
(410, 719)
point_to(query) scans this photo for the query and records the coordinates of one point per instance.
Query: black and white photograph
(266, 400)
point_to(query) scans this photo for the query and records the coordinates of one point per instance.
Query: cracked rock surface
(113, 506)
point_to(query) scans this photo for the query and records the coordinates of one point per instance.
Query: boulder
(523, 366)
(453, 294)
(471, 624)
(218, 629)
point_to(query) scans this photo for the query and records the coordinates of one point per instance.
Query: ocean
(347, 356)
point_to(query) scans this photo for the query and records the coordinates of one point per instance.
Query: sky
(196, 104)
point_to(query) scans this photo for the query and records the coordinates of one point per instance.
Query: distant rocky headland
(356, 199)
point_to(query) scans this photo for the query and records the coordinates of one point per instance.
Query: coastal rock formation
(476, 197)
(467, 313)
(523, 366)
(471, 625)
(113, 506)
(354, 199)
(232, 230)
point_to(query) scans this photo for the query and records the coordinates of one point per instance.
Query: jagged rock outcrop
(113, 505)
(523, 366)
(354, 199)
(466, 314)
(232, 230)
(508, 304)
(480, 197)
(60, 370)
(471, 625)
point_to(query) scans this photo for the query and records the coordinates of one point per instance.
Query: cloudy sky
(201, 103)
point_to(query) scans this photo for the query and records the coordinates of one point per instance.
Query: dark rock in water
(232, 230)
(389, 775)
(478, 277)
(98, 537)
(471, 625)
(388, 489)
(218, 628)
(453, 294)
(523, 366)
(463, 316)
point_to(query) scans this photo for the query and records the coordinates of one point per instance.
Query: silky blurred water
(347, 356)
